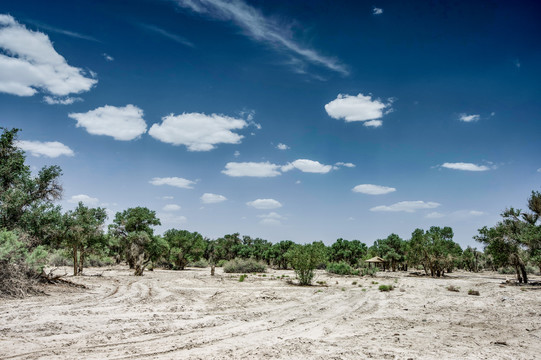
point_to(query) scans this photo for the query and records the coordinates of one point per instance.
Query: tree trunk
(75, 267)
(524, 274)
(81, 262)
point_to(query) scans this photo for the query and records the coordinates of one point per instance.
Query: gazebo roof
(375, 259)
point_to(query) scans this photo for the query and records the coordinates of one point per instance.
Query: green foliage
(184, 247)
(244, 266)
(341, 268)
(392, 250)
(242, 277)
(221, 263)
(201, 263)
(386, 287)
(278, 251)
(347, 251)
(369, 271)
(304, 259)
(473, 292)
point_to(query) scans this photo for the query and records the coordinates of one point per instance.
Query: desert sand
(191, 315)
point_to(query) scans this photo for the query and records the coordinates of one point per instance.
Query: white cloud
(50, 149)
(208, 198)
(167, 34)
(469, 118)
(254, 169)
(171, 207)
(271, 218)
(262, 29)
(167, 197)
(373, 189)
(108, 57)
(56, 100)
(169, 218)
(264, 204)
(122, 123)
(358, 108)
(236, 153)
(297, 182)
(281, 146)
(476, 213)
(465, 166)
(173, 181)
(539, 170)
(309, 166)
(377, 11)
(28, 62)
(75, 199)
(199, 132)
(348, 165)
(407, 206)
(434, 215)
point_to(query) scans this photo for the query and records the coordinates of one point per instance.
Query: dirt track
(191, 315)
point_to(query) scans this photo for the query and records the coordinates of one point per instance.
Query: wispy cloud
(57, 30)
(406, 206)
(262, 29)
(253, 169)
(469, 118)
(173, 181)
(377, 11)
(209, 198)
(371, 189)
(264, 204)
(50, 149)
(167, 34)
(75, 199)
(465, 166)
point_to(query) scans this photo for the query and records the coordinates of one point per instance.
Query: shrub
(473, 292)
(304, 259)
(341, 268)
(354, 283)
(201, 263)
(369, 271)
(386, 287)
(98, 261)
(453, 288)
(242, 277)
(244, 266)
(221, 263)
(60, 258)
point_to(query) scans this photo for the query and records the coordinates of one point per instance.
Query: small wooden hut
(376, 260)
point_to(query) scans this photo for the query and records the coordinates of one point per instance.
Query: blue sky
(282, 120)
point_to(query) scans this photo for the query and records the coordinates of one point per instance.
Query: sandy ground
(191, 315)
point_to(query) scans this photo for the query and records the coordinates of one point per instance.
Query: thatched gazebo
(376, 260)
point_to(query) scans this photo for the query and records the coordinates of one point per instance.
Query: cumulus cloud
(171, 207)
(281, 146)
(122, 123)
(28, 62)
(348, 165)
(263, 29)
(75, 199)
(406, 206)
(358, 108)
(309, 166)
(197, 131)
(50, 149)
(56, 100)
(173, 181)
(264, 204)
(371, 189)
(377, 11)
(469, 118)
(208, 198)
(465, 166)
(253, 169)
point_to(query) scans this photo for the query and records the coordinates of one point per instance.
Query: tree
(134, 229)
(304, 259)
(84, 233)
(348, 251)
(184, 247)
(277, 253)
(392, 249)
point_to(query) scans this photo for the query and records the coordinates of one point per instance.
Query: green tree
(84, 233)
(278, 251)
(304, 259)
(184, 247)
(133, 228)
(348, 251)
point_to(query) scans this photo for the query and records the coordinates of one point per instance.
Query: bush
(473, 292)
(386, 287)
(221, 263)
(370, 271)
(341, 268)
(59, 258)
(98, 261)
(242, 277)
(304, 259)
(202, 263)
(244, 266)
